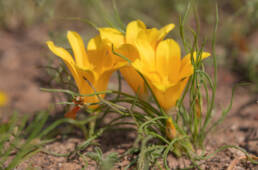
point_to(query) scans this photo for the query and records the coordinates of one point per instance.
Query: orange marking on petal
(72, 114)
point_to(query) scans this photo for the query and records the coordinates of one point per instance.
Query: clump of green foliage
(191, 121)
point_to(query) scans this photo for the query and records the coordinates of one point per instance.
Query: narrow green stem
(84, 131)
(92, 123)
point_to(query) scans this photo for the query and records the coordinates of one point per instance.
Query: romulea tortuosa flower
(135, 30)
(96, 64)
(164, 69)
(158, 60)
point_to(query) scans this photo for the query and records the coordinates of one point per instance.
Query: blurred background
(26, 25)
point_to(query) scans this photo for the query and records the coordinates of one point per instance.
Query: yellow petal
(146, 52)
(101, 58)
(203, 56)
(86, 73)
(186, 69)
(168, 59)
(134, 80)
(101, 55)
(165, 30)
(114, 36)
(151, 36)
(78, 48)
(102, 83)
(133, 29)
(168, 99)
(3, 99)
(94, 43)
(154, 36)
(128, 51)
(87, 84)
(67, 58)
(151, 74)
(147, 69)
(91, 84)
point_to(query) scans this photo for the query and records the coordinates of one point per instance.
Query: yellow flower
(95, 65)
(171, 132)
(3, 99)
(135, 30)
(164, 69)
